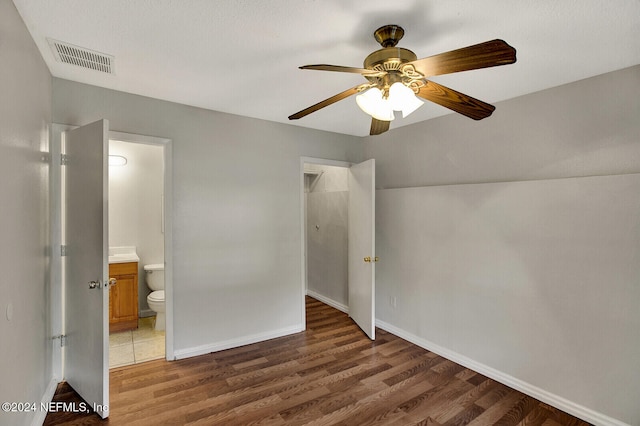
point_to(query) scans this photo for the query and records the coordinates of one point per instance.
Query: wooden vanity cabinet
(123, 297)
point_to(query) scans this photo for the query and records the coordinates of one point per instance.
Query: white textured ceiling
(242, 56)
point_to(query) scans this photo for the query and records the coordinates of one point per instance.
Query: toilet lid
(154, 267)
(156, 296)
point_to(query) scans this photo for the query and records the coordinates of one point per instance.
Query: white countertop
(123, 254)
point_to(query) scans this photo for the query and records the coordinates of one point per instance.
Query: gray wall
(327, 204)
(533, 277)
(236, 210)
(585, 128)
(25, 112)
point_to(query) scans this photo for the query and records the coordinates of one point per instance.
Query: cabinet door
(123, 297)
(125, 303)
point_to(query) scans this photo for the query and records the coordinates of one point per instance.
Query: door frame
(168, 225)
(56, 304)
(303, 228)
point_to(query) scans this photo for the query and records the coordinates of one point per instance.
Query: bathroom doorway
(136, 239)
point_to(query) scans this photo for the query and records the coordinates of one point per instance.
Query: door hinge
(63, 250)
(64, 159)
(63, 339)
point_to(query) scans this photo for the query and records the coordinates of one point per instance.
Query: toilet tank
(154, 276)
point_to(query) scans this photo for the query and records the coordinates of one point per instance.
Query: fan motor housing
(389, 59)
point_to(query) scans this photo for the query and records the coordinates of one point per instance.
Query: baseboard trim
(339, 306)
(559, 402)
(234, 343)
(47, 397)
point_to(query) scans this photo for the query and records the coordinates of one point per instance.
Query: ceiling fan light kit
(399, 98)
(397, 79)
(403, 99)
(373, 103)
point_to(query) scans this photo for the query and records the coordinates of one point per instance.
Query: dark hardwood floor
(331, 374)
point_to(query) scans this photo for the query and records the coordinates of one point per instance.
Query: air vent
(79, 56)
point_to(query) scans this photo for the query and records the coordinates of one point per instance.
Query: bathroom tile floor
(136, 346)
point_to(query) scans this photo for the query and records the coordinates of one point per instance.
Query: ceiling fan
(397, 79)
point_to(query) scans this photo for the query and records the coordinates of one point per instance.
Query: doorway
(326, 198)
(59, 294)
(338, 237)
(136, 239)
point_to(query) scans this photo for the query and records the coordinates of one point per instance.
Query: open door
(362, 277)
(86, 288)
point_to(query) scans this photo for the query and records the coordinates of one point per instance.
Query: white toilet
(154, 276)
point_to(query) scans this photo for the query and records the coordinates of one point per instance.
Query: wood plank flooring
(331, 374)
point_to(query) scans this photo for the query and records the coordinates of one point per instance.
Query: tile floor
(135, 346)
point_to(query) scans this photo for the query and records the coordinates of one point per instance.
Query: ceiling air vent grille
(79, 56)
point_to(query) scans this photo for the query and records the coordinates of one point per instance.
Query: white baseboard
(339, 306)
(234, 343)
(247, 340)
(559, 402)
(47, 397)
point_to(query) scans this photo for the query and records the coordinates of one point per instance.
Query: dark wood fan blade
(340, 68)
(379, 126)
(456, 101)
(326, 102)
(488, 54)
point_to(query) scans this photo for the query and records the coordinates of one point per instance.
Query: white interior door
(86, 351)
(362, 277)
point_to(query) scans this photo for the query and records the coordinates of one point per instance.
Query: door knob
(112, 282)
(94, 284)
(367, 259)
(375, 259)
